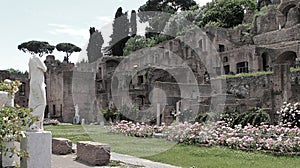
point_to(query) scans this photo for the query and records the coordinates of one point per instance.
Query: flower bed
(276, 139)
(129, 128)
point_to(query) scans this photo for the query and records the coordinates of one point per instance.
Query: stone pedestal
(38, 145)
(8, 161)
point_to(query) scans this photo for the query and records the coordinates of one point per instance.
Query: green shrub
(254, 117)
(110, 115)
(12, 119)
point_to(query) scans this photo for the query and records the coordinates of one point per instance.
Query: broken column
(281, 87)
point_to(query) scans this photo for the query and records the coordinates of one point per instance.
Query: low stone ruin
(61, 146)
(93, 153)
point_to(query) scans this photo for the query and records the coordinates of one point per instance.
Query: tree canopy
(226, 13)
(170, 6)
(139, 42)
(36, 47)
(68, 48)
(151, 11)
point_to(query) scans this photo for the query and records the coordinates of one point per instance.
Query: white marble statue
(76, 119)
(37, 94)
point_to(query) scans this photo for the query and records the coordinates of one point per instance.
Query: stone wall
(242, 54)
(272, 20)
(278, 36)
(257, 91)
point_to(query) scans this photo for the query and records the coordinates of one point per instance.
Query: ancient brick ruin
(271, 44)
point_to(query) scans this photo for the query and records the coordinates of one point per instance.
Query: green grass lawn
(140, 147)
(176, 154)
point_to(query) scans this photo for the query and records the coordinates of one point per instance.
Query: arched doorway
(281, 91)
(288, 57)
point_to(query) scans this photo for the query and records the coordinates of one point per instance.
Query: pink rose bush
(272, 138)
(129, 128)
(289, 114)
(264, 137)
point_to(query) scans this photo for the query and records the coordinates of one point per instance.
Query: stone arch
(286, 6)
(287, 57)
(290, 10)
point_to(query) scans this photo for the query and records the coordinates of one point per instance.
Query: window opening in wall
(221, 48)
(54, 109)
(99, 74)
(61, 109)
(242, 67)
(226, 69)
(200, 43)
(140, 79)
(265, 62)
(225, 59)
(187, 52)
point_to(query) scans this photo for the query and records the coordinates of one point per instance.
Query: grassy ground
(122, 144)
(167, 152)
(219, 157)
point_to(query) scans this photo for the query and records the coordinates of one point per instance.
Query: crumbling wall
(283, 35)
(272, 20)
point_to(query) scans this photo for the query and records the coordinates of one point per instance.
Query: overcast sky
(54, 21)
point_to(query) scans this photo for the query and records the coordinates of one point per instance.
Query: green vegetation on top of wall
(262, 11)
(255, 73)
(247, 74)
(295, 69)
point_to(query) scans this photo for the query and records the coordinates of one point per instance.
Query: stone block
(8, 160)
(38, 145)
(93, 153)
(61, 146)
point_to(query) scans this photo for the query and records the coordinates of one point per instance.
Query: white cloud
(61, 29)
(101, 21)
(78, 35)
(58, 25)
(105, 19)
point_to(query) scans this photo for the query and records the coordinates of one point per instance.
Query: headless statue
(37, 94)
(76, 119)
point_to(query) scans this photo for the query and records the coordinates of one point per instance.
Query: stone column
(157, 114)
(281, 87)
(178, 111)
